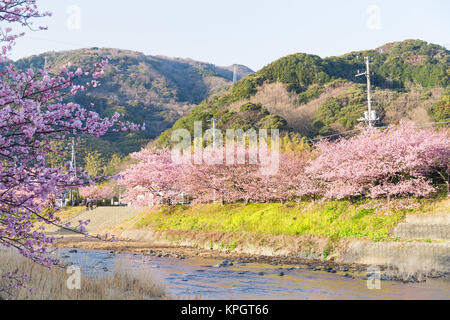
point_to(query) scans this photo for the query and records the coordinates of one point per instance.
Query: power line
(417, 125)
(62, 42)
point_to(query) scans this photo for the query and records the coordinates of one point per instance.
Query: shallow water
(191, 278)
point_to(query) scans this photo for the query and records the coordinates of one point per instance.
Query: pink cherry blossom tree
(154, 176)
(90, 192)
(398, 161)
(99, 192)
(220, 182)
(32, 114)
(107, 192)
(291, 182)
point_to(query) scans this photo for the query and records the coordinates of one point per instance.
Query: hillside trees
(401, 69)
(94, 164)
(440, 111)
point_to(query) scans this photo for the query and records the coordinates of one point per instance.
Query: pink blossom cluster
(19, 12)
(98, 192)
(155, 177)
(398, 161)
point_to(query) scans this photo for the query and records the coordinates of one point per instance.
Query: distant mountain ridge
(155, 89)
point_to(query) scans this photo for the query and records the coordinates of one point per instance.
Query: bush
(310, 94)
(251, 107)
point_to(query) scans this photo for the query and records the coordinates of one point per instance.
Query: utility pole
(214, 132)
(214, 149)
(370, 116)
(73, 165)
(235, 74)
(73, 162)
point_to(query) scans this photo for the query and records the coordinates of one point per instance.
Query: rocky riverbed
(189, 276)
(386, 273)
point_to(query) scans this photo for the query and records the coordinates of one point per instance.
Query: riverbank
(321, 235)
(157, 249)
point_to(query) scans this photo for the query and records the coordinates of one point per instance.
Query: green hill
(315, 96)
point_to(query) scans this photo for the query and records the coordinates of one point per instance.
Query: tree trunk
(447, 181)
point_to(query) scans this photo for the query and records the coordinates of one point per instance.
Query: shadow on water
(199, 278)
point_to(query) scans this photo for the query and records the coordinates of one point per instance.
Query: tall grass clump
(51, 284)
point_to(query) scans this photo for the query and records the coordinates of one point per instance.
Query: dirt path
(100, 219)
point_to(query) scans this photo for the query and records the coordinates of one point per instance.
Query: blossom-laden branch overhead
(33, 113)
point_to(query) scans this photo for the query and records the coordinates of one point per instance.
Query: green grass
(371, 219)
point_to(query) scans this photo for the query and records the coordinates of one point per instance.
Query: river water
(197, 278)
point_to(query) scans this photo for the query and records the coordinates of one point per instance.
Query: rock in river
(224, 263)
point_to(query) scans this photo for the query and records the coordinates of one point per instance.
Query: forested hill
(314, 96)
(155, 89)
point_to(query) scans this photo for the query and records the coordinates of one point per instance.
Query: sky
(249, 32)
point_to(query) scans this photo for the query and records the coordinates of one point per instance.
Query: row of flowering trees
(398, 161)
(156, 178)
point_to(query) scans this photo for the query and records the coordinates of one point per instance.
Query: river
(198, 278)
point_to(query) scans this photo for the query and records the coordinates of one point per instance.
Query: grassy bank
(370, 219)
(70, 212)
(46, 284)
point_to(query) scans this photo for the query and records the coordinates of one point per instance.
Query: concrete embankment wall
(422, 245)
(406, 256)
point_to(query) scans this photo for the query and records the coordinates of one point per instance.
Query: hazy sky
(249, 32)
